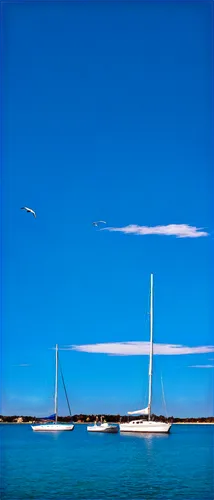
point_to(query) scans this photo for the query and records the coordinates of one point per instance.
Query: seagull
(29, 210)
(97, 223)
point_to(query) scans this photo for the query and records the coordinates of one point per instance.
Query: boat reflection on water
(146, 436)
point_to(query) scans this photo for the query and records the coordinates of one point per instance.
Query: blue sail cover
(51, 417)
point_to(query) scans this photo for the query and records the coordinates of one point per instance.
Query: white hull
(109, 429)
(145, 426)
(52, 427)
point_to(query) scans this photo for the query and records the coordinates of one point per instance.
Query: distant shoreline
(91, 423)
(89, 419)
(193, 423)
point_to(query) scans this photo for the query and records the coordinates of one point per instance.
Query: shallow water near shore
(81, 465)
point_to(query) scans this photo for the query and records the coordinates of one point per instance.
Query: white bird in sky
(97, 223)
(29, 210)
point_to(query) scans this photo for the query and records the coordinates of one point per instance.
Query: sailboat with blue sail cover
(52, 424)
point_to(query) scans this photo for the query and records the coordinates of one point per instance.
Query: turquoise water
(80, 465)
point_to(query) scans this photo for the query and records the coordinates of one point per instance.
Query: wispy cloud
(178, 230)
(137, 349)
(22, 365)
(201, 366)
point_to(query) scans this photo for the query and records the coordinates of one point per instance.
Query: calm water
(78, 465)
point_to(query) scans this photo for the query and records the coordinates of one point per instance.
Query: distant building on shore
(19, 420)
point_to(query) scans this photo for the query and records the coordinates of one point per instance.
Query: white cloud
(201, 366)
(178, 230)
(137, 349)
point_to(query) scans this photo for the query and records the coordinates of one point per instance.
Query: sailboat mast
(151, 350)
(56, 386)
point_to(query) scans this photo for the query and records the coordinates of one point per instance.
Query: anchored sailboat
(147, 425)
(53, 425)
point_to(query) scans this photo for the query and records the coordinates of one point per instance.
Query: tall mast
(151, 350)
(56, 386)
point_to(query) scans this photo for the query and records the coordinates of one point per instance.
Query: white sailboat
(147, 425)
(103, 427)
(54, 425)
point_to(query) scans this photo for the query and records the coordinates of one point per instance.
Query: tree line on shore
(83, 418)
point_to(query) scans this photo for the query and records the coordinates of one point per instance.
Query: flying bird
(97, 223)
(29, 210)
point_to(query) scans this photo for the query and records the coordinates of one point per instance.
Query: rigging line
(63, 381)
(164, 401)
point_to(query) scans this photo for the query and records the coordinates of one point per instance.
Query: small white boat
(103, 427)
(147, 425)
(52, 425)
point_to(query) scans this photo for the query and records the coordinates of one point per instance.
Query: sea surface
(80, 465)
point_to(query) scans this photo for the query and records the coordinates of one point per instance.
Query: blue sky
(106, 115)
